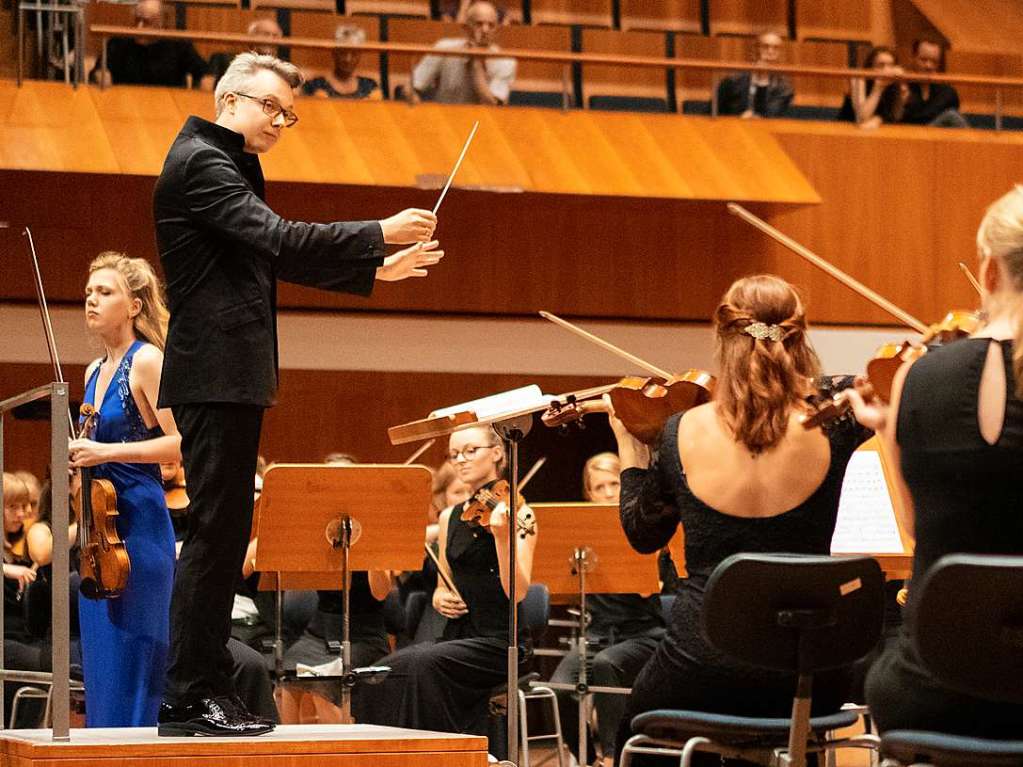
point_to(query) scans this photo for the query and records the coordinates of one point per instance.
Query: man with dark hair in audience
(149, 61)
(757, 94)
(469, 80)
(926, 103)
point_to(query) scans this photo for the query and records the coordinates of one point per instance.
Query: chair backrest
(536, 609)
(415, 605)
(667, 603)
(968, 624)
(793, 612)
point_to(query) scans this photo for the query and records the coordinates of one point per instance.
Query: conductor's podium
(352, 745)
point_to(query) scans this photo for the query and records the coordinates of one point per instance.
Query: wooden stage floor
(355, 745)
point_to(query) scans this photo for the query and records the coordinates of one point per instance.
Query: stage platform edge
(354, 745)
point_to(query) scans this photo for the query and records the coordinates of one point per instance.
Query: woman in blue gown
(125, 639)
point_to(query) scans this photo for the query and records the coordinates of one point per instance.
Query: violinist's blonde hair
(1000, 236)
(606, 461)
(141, 282)
(16, 493)
(760, 380)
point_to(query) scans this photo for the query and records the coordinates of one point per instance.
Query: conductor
(223, 250)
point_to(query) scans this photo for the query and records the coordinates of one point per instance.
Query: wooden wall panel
(319, 412)
(901, 210)
(509, 254)
(47, 126)
(623, 81)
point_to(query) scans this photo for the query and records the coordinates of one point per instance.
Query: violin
(104, 565)
(642, 404)
(480, 508)
(887, 360)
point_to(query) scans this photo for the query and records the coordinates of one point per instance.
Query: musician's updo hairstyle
(142, 283)
(1001, 236)
(766, 364)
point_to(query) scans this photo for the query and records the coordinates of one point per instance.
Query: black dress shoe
(215, 717)
(243, 711)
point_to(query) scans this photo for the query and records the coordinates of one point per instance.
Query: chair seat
(666, 724)
(944, 750)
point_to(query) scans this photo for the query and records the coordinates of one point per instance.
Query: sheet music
(523, 398)
(866, 516)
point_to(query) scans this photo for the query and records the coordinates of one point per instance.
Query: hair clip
(764, 332)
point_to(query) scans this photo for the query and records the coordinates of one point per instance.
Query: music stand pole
(513, 431)
(344, 540)
(582, 564)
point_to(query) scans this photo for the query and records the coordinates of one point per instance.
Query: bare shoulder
(148, 359)
(92, 368)
(698, 420)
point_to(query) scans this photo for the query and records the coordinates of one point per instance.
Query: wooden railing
(105, 32)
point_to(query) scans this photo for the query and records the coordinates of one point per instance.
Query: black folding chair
(969, 635)
(786, 612)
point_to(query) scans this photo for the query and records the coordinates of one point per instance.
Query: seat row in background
(593, 86)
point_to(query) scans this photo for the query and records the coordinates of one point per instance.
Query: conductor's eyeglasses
(271, 108)
(468, 452)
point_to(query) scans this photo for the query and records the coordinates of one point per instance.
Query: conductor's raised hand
(411, 225)
(410, 262)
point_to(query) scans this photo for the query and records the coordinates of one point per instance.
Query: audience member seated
(147, 61)
(265, 27)
(342, 82)
(627, 626)
(757, 94)
(870, 103)
(456, 10)
(470, 80)
(926, 103)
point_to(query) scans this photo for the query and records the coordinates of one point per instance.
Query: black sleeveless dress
(446, 686)
(967, 497)
(685, 672)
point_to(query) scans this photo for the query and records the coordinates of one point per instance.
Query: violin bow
(44, 312)
(532, 472)
(458, 164)
(850, 282)
(606, 345)
(969, 275)
(419, 451)
(445, 576)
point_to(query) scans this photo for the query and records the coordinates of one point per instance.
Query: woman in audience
(787, 499)
(627, 626)
(955, 430)
(125, 640)
(342, 82)
(446, 686)
(866, 103)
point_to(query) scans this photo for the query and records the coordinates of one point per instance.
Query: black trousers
(220, 445)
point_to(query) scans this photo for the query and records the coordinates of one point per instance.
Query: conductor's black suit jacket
(223, 250)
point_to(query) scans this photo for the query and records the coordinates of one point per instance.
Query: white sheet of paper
(523, 398)
(866, 516)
